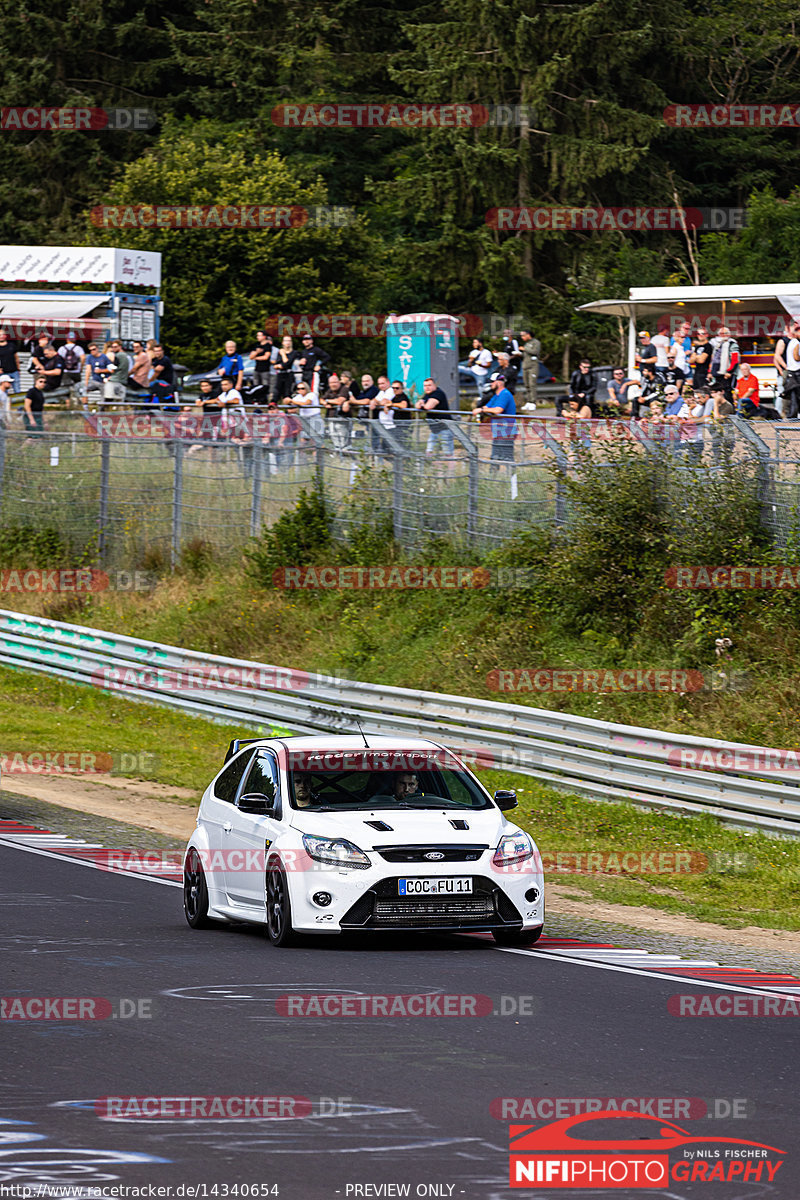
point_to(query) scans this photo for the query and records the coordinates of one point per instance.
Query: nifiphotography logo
(613, 1149)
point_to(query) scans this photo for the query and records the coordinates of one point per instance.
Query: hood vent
(381, 826)
(459, 824)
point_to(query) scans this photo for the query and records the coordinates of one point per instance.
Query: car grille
(439, 910)
(382, 908)
(416, 854)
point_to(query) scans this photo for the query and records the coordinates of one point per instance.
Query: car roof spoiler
(237, 744)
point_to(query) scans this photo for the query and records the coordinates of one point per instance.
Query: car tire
(517, 937)
(279, 908)
(195, 892)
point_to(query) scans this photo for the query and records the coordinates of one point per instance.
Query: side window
(228, 783)
(263, 776)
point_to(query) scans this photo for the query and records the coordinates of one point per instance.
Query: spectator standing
(700, 358)
(401, 407)
(682, 341)
(33, 407)
(38, 352)
(162, 379)
(9, 359)
(313, 363)
(262, 354)
(661, 343)
(723, 438)
(308, 400)
(334, 400)
(651, 387)
(502, 408)
(6, 387)
(73, 356)
(284, 369)
(52, 368)
(725, 361)
(791, 380)
(478, 362)
(508, 369)
(672, 373)
(231, 364)
(435, 401)
(117, 372)
(647, 353)
(531, 349)
(511, 347)
(93, 369)
(140, 367)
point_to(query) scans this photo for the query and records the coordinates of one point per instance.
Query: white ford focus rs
(347, 834)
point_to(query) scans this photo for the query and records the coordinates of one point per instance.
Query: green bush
(300, 536)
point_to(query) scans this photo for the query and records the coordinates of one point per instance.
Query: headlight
(512, 848)
(337, 852)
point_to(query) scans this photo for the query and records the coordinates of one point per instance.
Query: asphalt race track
(394, 1100)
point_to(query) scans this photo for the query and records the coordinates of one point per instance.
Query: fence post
(102, 516)
(255, 501)
(472, 480)
(177, 504)
(2, 461)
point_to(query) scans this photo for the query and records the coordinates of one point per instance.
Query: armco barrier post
(102, 515)
(177, 503)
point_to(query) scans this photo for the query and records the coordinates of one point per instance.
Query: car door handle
(227, 827)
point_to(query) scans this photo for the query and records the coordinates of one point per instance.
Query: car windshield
(327, 786)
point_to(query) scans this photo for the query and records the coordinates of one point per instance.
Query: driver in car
(304, 793)
(405, 785)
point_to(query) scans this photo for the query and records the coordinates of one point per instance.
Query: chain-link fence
(139, 489)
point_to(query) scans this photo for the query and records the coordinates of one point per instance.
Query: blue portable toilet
(419, 345)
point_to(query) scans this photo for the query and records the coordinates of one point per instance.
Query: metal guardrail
(593, 758)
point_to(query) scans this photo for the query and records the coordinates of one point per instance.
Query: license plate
(421, 885)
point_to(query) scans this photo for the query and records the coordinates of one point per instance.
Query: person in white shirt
(661, 343)
(6, 385)
(479, 361)
(308, 401)
(385, 398)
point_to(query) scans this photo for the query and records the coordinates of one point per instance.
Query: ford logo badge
(434, 856)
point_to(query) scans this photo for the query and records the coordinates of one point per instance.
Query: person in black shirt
(34, 406)
(700, 358)
(582, 387)
(401, 411)
(671, 373)
(163, 381)
(312, 360)
(434, 400)
(9, 359)
(261, 353)
(52, 368)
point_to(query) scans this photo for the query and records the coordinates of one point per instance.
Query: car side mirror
(505, 800)
(256, 802)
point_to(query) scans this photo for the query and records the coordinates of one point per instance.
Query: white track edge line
(82, 862)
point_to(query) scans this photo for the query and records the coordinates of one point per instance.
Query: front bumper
(369, 901)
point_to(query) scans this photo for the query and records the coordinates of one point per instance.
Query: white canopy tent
(756, 308)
